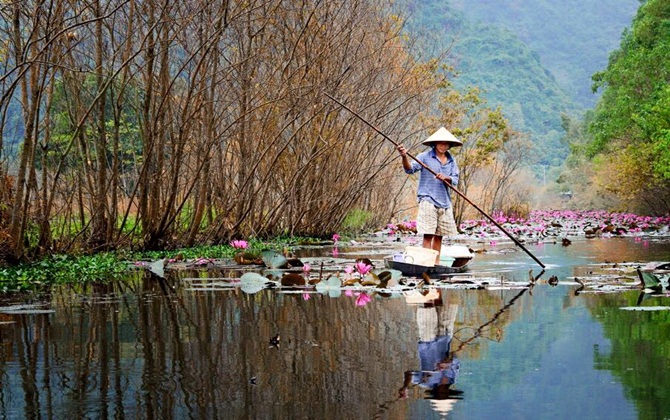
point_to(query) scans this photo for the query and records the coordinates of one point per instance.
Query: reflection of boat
(416, 260)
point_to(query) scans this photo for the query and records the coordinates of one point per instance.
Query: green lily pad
(645, 308)
(331, 286)
(253, 283)
(273, 259)
(36, 308)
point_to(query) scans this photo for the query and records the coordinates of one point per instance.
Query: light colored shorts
(435, 221)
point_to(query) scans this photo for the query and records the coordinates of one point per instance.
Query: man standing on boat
(436, 215)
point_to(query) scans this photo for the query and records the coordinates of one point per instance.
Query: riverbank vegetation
(629, 141)
(536, 227)
(106, 266)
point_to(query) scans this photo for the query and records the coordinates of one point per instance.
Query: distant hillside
(572, 37)
(514, 79)
(510, 73)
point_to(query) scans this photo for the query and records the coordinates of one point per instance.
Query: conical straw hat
(443, 406)
(443, 135)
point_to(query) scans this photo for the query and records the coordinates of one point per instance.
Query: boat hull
(414, 270)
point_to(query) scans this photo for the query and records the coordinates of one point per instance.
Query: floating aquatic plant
(292, 279)
(273, 259)
(645, 308)
(27, 309)
(239, 244)
(253, 282)
(363, 268)
(331, 286)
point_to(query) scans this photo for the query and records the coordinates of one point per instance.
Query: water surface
(147, 348)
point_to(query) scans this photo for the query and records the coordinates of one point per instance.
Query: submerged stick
(454, 189)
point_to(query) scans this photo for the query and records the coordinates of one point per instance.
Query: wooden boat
(454, 259)
(415, 270)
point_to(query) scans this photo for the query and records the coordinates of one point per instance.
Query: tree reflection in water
(149, 348)
(152, 348)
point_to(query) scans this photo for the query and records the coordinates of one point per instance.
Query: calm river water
(151, 349)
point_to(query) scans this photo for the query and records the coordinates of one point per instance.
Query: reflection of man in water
(439, 368)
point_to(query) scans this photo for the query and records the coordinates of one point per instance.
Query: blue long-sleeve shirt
(430, 188)
(431, 353)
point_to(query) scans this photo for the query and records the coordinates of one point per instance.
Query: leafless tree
(157, 123)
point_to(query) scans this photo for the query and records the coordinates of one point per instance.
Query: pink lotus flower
(348, 269)
(363, 268)
(363, 299)
(239, 244)
(306, 267)
(336, 237)
(410, 224)
(202, 261)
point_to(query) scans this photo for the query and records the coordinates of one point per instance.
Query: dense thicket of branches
(160, 123)
(163, 123)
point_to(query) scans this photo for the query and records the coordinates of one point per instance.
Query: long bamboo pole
(454, 189)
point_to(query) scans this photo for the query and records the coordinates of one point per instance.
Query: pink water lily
(363, 268)
(410, 225)
(306, 267)
(239, 244)
(540, 223)
(363, 299)
(336, 237)
(202, 261)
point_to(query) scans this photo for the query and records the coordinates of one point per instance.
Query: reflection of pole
(479, 330)
(454, 189)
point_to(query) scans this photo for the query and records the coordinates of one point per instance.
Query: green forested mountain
(573, 38)
(534, 59)
(508, 72)
(513, 78)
